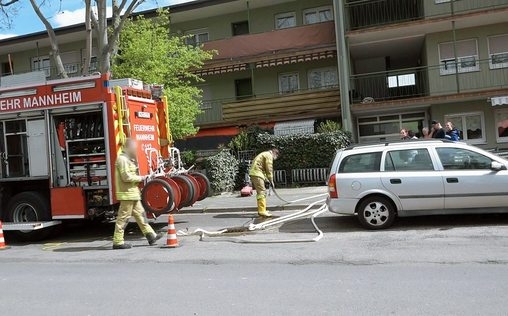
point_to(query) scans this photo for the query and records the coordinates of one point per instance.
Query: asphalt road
(422, 266)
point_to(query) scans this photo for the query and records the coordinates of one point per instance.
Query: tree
(107, 31)
(148, 52)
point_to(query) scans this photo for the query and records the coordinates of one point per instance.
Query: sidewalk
(232, 202)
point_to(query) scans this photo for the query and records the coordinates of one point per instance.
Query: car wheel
(376, 212)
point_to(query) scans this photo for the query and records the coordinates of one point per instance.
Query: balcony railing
(72, 69)
(277, 41)
(362, 13)
(370, 13)
(429, 81)
(271, 107)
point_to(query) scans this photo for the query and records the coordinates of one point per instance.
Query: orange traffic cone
(171, 241)
(3, 246)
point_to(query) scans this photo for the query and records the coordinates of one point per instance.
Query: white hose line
(276, 221)
(297, 200)
(320, 235)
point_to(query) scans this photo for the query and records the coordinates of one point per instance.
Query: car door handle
(452, 180)
(395, 181)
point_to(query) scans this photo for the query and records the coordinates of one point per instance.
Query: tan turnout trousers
(126, 210)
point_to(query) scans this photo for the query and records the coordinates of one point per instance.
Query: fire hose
(309, 211)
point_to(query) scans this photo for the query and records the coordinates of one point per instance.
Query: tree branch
(8, 3)
(119, 22)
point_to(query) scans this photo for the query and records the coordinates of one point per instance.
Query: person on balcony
(261, 170)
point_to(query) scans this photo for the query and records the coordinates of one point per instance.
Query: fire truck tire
(187, 190)
(204, 185)
(29, 207)
(157, 197)
(195, 186)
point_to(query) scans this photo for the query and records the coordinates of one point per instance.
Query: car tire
(29, 207)
(376, 212)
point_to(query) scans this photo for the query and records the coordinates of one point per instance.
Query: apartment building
(276, 65)
(406, 62)
(411, 61)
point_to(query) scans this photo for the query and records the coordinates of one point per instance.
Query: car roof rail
(399, 142)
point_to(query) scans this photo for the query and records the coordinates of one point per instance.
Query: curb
(249, 209)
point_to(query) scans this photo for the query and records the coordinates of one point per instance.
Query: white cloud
(70, 17)
(67, 17)
(4, 36)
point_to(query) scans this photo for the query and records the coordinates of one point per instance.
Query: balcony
(271, 107)
(289, 45)
(73, 70)
(371, 13)
(435, 80)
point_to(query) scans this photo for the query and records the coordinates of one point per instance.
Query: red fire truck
(58, 144)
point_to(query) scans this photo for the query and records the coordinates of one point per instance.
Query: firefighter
(127, 180)
(261, 170)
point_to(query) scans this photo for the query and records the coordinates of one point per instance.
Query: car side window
(368, 162)
(408, 160)
(462, 159)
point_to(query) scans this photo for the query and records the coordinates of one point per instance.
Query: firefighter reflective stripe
(127, 179)
(262, 166)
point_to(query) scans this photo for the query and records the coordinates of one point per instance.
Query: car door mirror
(497, 166)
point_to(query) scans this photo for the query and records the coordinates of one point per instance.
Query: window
(289, 82)
(498, 51)
(285, 20)
(462, 159)
(196, 37)
(6, 69)
(206, 97)
(368, 162)
(467, 57)
(401, 80)
(323, 78)
(408, 160)
(317, 15)
(501, 117)
(42, 64)
(471, 126)
(387, 127)
(243, 88)
(240, 28)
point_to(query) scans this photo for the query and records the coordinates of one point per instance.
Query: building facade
(405, 63)
(419, 60)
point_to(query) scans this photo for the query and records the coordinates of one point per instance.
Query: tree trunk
(102, 37)
(88, 27)
(55, 51)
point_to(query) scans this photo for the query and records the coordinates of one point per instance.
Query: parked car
(383, 181)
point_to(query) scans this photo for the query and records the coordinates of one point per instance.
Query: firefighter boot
(122, 246)
(152, 238)
(262, 208)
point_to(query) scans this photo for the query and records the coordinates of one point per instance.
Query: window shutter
(498, 44)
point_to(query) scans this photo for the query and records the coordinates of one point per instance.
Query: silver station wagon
(380, 182)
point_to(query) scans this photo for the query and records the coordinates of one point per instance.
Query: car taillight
(332, 187)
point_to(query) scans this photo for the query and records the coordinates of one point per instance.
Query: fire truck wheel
(29, 207)
(157, 197)
(204, 185)
(187, 190)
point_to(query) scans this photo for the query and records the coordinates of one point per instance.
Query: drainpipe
(343, 65)
(251, 65)
(454, 35)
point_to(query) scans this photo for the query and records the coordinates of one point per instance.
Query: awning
(495, 101)
(294, 127)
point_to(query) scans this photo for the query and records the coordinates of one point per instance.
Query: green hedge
(222, 170)
(304, 150)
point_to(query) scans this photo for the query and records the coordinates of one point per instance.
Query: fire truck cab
(59, 141)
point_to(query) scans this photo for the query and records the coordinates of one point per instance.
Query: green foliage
(247, 139)
(147, 52)
(329, 126)
(304, 150)
(222, 170)
(188, 157)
